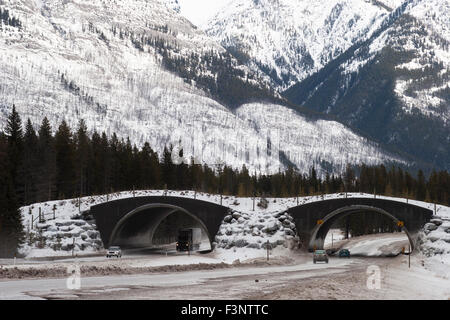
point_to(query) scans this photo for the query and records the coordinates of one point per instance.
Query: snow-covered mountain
(199, 12)
(378, 65)
(288, 40)
(395, 85)
(143, 71)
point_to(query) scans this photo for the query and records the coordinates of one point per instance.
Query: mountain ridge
(112, 69)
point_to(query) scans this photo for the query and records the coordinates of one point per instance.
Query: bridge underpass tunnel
(363, 233)
(167, 232)
(156, 227)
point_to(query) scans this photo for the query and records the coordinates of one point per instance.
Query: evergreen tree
(105, 157)
(65, 162)
(421, 190)
(168, 168)
(349, 178)
(30, 154)
(82, 152)
(15, 152)
(46, 163)
(11, 228)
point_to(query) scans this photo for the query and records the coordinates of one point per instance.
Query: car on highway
(344, 253)
(320, 255)
(114, 252)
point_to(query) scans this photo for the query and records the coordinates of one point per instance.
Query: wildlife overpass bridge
(145, 221)
(314, 220)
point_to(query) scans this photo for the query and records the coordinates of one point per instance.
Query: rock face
(263, 203)
(65, 235)
(253, 230)
(430, 227)
(436, 221)
(435, 237)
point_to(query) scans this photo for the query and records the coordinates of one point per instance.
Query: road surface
(340, 279)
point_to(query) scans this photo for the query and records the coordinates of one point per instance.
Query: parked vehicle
(320, 255)
(331, 251)
(114, 252)
(189, 239)
(344, 253)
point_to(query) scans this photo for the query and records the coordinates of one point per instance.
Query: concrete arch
(150, 211)
(155, 214)
(306, 215)
(319, 232)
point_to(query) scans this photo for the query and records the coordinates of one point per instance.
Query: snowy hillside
(289, 39)
(199, 12)
(378, 65)
(110, 69)
(426, 92)
(395, 85)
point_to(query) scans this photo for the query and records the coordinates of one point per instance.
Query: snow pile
(434, 243)
(257, 231)
(435, 237)
(378, 245)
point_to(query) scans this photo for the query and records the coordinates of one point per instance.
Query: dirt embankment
(92, 270)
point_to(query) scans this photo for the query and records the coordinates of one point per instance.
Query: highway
(340, 279)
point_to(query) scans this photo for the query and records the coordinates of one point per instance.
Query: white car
(114, 252)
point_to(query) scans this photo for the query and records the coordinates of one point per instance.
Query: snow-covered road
(340, 279)
(56, 288)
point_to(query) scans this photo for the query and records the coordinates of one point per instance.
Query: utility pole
(409, 257)
(347, 227)
(332, 242)
(268, 244)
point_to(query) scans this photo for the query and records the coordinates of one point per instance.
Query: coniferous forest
(63, 162)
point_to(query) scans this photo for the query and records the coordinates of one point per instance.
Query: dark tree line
(40, 165)
(9, 20)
